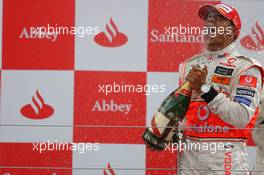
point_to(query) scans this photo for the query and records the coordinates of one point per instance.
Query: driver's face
(215, 21)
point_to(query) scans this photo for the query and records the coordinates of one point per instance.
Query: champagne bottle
(171, 111)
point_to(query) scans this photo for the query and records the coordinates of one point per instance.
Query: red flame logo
(111, 37)
(257, 44)
(109, 170)
(38, 109)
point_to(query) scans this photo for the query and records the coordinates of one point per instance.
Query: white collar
(221, 53)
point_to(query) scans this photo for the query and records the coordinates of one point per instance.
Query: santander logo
(111, 37)
(37, 109)
(256, 41)
(109, 170)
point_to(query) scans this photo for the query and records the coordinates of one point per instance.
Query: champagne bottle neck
(185, 89)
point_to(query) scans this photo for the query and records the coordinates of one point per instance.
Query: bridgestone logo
(247, 92)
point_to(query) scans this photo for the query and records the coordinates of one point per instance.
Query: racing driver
(226, 94)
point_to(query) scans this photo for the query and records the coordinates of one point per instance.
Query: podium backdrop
(55, 88)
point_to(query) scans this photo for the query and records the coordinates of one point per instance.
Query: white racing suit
(258, 137)
(218, 123)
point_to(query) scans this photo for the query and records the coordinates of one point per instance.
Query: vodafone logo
(254, 42)
(203, 112)
(111, 37)
(248, 79)
(38, 109)
(228, 162)
(109, 170)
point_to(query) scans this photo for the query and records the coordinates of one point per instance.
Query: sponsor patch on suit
(248, 80)
(223, 71)
(243, 100)
(247, 92)
(221, 80)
